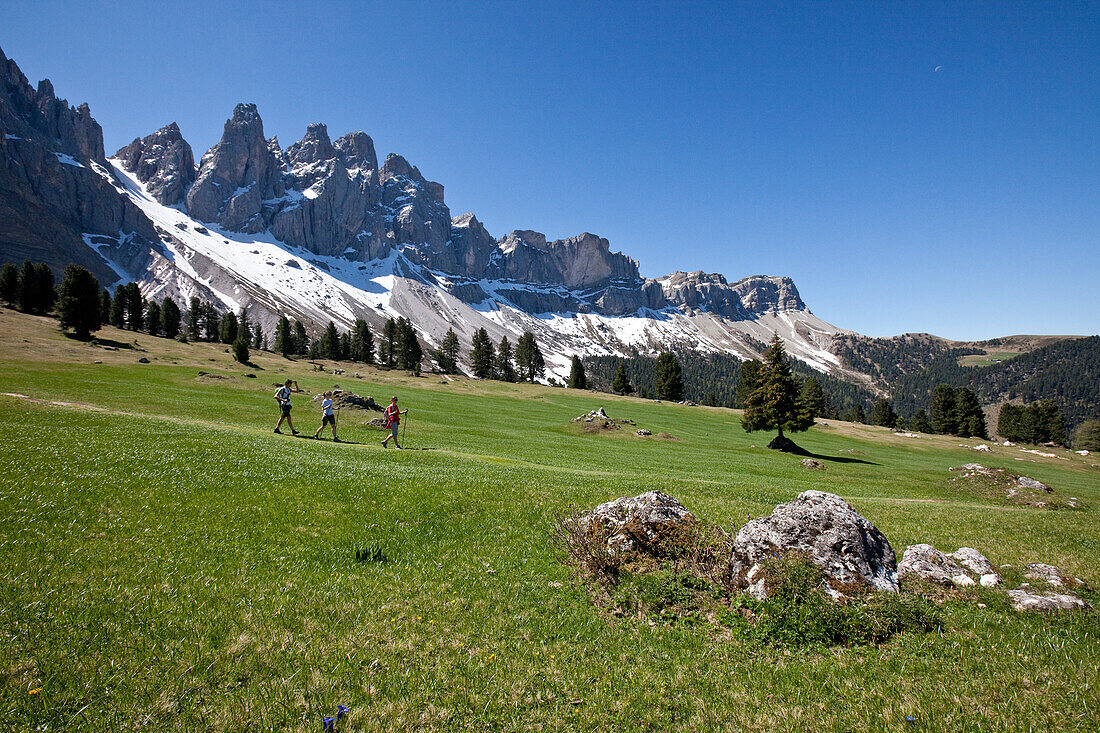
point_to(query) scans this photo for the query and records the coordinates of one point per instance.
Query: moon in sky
(938, 68)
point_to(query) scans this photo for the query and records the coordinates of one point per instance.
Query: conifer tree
(918, 423)
(883, 413)
(301, 339)
(669, 381)
(621, 384)
(259, 340)
(944, 421)
(969, 418)
(9, 284)
(47, 293)
(104, 307)
(211, 322)
(387, 347)
(244, 328)
(505, 370)
(813, 397)
(482, 355)
(448, 352)
(329, 346)
(194, 318)
(345, 346)
(78, 301)
(284, 337)
(577, 378)
(855, 413)
(118, 307)
(774, 404)
(529, 360)
(362, 342)
(228, 327)
(240, 349)
(409, 351)
(170, 318)
(28, 287)
(152, 318)
(135, 308)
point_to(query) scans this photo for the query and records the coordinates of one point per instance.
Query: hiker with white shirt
(328, 417)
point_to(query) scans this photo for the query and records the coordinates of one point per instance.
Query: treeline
(712, 379)
(29, 289)
(522, 363)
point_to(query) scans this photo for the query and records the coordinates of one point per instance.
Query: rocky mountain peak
(237, 175)
(357, 150)
(313, 148)
(397, 167)
(163, 161)
(522, 237)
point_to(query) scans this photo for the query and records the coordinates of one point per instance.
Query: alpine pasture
(168, 563)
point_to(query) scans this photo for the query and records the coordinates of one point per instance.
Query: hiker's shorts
(286, 410)
(393, 430)
(328, 420)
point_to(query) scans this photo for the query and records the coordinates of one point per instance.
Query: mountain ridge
(321, 230)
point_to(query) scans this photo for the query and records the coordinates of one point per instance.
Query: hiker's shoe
(278, 432)
(383, 444)
(395, 445)
(337, 440)
(293, 432)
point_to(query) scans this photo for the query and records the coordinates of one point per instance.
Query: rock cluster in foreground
(853, 554)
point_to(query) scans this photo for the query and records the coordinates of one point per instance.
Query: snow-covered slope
(258, 273)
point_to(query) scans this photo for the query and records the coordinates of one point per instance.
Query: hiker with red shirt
(392, 418)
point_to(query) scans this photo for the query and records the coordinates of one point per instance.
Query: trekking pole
(404, 424)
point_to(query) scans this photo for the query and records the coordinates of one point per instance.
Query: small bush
(583, 546)
(667, 594)
(797, 613)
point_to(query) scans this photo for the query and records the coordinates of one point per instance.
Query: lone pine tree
(774, 404)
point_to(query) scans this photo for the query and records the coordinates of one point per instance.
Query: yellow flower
(35, 691)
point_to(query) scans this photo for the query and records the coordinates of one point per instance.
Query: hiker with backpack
(282, 396)
(328, 417)
(392, 417)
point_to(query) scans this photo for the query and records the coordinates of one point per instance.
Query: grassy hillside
(170, 564)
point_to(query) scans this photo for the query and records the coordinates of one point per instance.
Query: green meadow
(168, 563)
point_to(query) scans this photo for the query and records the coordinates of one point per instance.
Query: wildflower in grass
(35, 691)
(331, 723)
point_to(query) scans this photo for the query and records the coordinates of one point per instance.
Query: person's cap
(287, 382)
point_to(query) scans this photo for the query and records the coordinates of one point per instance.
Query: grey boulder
(927, 563)
(651, 522)
(827, 531)
(1025, 599)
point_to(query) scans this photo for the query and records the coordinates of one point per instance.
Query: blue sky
(913, 166)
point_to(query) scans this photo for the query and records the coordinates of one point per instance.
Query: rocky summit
(322, 230)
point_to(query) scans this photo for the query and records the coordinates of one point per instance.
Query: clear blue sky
(913, 166)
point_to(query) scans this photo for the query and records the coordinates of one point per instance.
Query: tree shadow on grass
(787, 445)
(96, 341)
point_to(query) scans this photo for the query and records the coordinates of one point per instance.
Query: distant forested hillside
(908, 367)
(1067, 372)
